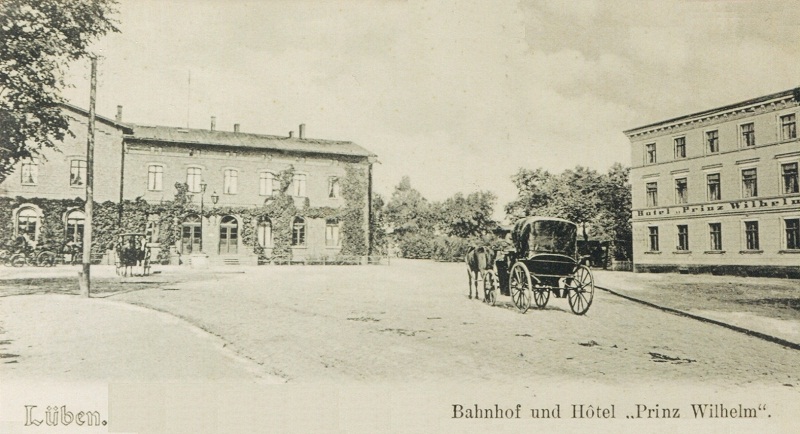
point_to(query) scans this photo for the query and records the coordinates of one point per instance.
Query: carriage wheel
(581, 290)
(520, 286)
(541, 295)
(17, 260)
(489, 287)
(46, 259)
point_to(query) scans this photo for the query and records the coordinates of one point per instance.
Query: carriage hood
(534, 235)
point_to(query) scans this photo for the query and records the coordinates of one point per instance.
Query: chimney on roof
(213, 123)
(235, 128)
(118, 118)
(302, 132)
(291, 134)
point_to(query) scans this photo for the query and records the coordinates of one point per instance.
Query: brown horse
(479, 260)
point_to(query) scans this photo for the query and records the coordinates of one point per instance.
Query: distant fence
(327, 260)
(621, 266)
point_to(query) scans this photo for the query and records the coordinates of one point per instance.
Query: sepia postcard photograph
(399, 216)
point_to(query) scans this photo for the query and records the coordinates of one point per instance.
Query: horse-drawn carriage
(133, 254)
(544, 260)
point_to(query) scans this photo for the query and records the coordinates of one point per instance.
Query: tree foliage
(440, 230)
(466, 216)
(599, 202)
(39, 40)
(407, 210)
(377, 224)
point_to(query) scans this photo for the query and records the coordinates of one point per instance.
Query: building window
(680, 147)
(652, 193)
(683, 237)
(792, 234)
(681, 191)
(332, 233)
(77, 173)
(789, 174)
(751, 235)
(228, 236)
(299, 184)
(75, 222)
(650, 153)
(268, 184)
(194, 177)
(788, 127)
(27, 223)
(748, 134)
(298, 232)
(749, 183)
(333, 187)
(715, 231)
(155, 177)
(264, 232)
(230, 181)
(30, 172)
(714, 189)
(712, 139)
(653, 232)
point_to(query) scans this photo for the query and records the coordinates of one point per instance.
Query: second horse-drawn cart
(544, 261)
(133, 254)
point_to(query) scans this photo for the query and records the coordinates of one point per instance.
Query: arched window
(75, 223)
(27, 223)
(299, 232)
(228, 235)
(332, 233)
(191, 235)
(264, 232)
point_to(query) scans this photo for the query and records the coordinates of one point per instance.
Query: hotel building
(717, 191)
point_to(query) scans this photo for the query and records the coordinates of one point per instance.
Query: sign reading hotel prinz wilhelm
(727, 207)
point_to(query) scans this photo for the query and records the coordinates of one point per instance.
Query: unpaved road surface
(412, 321)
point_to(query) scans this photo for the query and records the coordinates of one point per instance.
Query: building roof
(162, 134)
(124, 127)
(767, 99)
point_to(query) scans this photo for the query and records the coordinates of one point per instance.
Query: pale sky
(458, 95)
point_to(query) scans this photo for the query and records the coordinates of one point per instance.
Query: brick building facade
(717, 191)
(223, 170)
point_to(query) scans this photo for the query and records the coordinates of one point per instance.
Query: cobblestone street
(413, 320)
(361, 337)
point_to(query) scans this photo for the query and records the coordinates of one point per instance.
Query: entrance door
(228, 236)
(190, 235)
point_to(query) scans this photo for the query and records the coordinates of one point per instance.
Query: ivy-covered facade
(230, 197)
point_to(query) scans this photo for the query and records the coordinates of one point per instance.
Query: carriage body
(544, 260)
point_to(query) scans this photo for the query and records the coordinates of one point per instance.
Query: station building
(717, 191)
(229, 175)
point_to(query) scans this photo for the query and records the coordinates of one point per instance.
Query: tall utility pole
(84, 280)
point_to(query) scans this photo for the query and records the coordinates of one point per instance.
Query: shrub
(450, 249)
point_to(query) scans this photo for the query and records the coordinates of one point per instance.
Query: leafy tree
(39, 40)
(466, 217)
(613, 221)
(599, 203)
(408, 211)
(571, 195)
(534, 192)
(377, 224)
